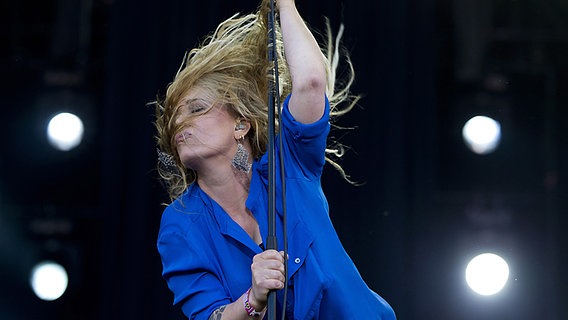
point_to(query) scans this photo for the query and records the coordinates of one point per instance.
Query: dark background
(428, 204)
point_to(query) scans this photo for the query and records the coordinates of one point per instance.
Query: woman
(212, 137)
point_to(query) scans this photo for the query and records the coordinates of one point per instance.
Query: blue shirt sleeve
(305, 144)
(186, 266)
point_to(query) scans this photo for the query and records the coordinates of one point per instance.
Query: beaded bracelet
(248, 307)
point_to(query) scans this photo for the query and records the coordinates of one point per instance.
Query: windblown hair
(232, 63)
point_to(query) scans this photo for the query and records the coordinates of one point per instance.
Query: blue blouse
(206, 256)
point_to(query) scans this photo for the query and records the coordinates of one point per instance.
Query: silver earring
(240, 159)
(166, 161)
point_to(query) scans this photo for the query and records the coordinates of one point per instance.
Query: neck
(229, 188)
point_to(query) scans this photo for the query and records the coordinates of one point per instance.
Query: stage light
(49, 280)
(65, 131)
(482, 134)
(487, 274)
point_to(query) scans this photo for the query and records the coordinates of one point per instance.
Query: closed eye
(196, 109)
(196, 106)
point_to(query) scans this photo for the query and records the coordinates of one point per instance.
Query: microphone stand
(271, 241)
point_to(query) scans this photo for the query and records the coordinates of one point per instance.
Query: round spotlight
(65, 131)
(48, 280)
(487, 274)
(482, 134)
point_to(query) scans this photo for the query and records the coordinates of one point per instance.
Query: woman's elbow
(311, 84)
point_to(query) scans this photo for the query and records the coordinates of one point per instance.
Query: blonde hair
(232, 63)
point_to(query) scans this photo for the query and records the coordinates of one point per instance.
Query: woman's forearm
(306, 64)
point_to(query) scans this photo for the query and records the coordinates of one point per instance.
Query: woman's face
(208, 134)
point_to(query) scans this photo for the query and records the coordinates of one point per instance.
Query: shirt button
(297, 260)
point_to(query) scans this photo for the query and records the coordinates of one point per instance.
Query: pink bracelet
(248, 307)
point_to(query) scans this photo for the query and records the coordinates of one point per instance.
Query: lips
(182, 137)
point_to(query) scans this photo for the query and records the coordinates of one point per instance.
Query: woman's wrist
(253, 307)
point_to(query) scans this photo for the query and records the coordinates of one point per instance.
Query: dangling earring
(240, 159)
(166, 162)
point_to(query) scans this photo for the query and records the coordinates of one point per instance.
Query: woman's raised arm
(306, 65)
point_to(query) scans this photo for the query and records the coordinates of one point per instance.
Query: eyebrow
(189, 101)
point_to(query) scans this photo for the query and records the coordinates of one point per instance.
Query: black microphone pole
(271, 241)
